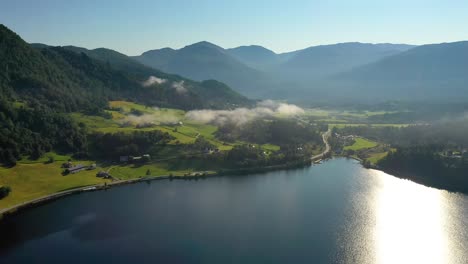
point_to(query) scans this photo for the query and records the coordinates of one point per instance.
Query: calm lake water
(337, 212)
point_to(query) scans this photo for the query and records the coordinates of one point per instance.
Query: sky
(132, 27)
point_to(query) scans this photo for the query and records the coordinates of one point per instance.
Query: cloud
(281, 108)
(179, 87)
(153, 80)
(240, 116)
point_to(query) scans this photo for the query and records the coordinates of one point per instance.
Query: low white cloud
(240, 116)
(153, 80)
(179, 87)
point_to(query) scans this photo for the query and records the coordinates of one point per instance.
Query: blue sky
(135, 26)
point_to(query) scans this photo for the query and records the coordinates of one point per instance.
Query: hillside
(215, 94)
(429, 72)
(40, 85)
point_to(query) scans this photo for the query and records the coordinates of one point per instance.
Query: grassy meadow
(361, 143)
(33, 179)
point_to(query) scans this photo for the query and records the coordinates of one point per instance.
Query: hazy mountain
(259, 72)
(436, 71)
(320, 61)
(202, 61)
(255, 56)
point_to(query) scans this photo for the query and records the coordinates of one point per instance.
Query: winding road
(325, 137)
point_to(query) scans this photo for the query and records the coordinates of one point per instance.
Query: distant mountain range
(355, 72)
(346, 71)
(429, 72)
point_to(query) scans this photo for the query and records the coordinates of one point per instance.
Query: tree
(4, 191)
(148, 172)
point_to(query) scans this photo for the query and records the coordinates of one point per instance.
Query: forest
(432, 154)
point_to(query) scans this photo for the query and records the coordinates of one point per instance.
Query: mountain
(321, 61)
(259, 72)
(203, 61)
(255, 56)
(428, 72)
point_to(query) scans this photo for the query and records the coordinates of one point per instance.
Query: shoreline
(13, 210)
(10, 211)
(442, 186)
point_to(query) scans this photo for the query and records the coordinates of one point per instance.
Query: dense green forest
(432, 154)
(423, 164)
(450, 133)
(111, 146)
(277, 131)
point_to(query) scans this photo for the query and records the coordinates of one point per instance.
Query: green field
(375, 157)
(183, 130)
(361, 143)
(30, 180)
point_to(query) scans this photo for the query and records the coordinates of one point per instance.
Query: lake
(336, 212)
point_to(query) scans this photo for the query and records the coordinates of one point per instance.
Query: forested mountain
(38, 84)
(203, 61)
(214, 93)
(428, 72)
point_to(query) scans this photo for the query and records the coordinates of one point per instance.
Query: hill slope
(320, 61)
(215, 94)
(429, 72)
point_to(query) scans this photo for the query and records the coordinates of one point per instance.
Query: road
(325, 137)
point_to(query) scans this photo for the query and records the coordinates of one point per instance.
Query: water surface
(337, 212)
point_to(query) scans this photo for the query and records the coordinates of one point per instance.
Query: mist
(153, 80)
(179, 87)
(240, 116)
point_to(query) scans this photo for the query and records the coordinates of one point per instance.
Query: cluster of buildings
(456, 154)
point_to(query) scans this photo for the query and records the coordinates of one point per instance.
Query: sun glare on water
(410, 223)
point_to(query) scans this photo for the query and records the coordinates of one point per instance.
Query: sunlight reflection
(409, 223)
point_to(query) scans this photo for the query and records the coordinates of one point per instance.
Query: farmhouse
(76, 169)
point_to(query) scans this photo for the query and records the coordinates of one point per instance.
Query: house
(67, 165)
(103, 174)
(135, 159)
(143, 158)
(76, 169)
